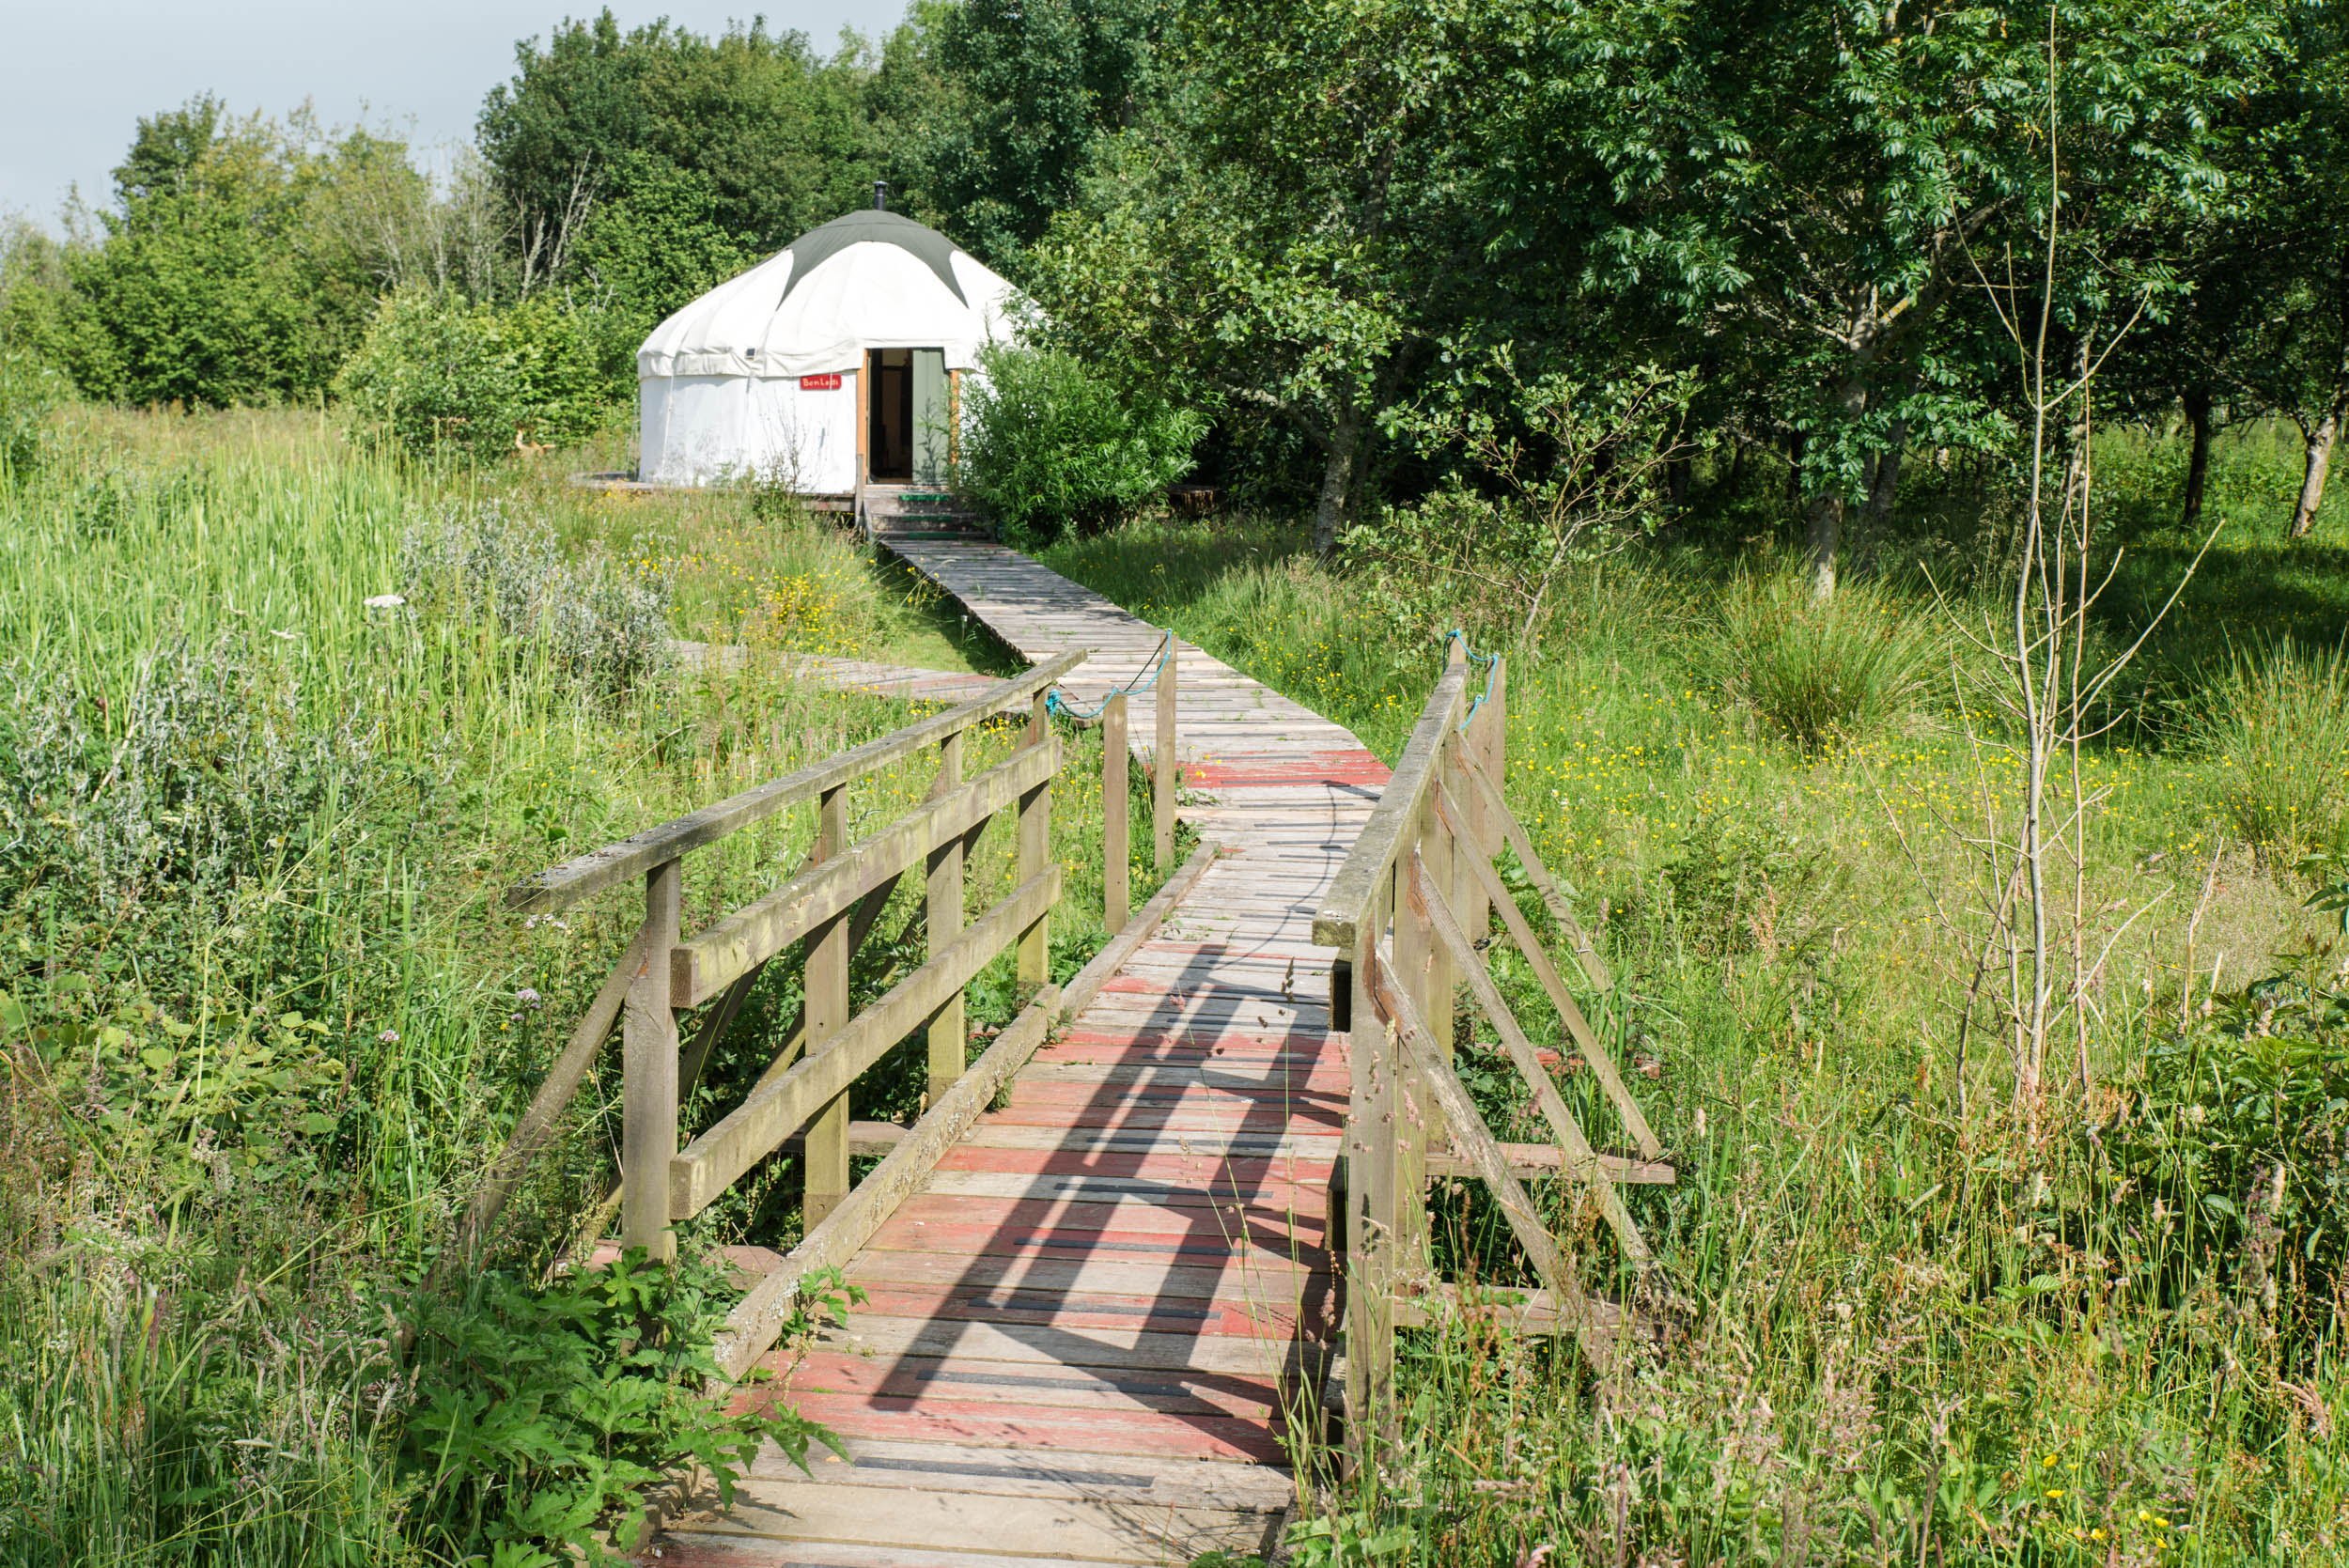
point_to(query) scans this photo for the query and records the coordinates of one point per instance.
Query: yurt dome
(834, 363)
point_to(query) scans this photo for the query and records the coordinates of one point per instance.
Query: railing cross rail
(828, 905)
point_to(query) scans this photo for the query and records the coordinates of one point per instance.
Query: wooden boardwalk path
(1084, 1343)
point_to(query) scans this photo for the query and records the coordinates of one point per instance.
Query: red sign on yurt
(820, 383)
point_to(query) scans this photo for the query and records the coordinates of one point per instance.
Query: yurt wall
(797, 430)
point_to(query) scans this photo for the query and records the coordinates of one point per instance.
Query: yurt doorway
(906, 433)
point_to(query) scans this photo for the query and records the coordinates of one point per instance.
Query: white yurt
(833, 363)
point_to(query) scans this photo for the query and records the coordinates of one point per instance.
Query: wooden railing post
(943, 923)
(648, 1071)
(1116, 824)
(826, 1150)
(1482, 744)
(1372, 1208)
(1162, 765)
(1436, 849)
(1415, 961)
(1035, 849)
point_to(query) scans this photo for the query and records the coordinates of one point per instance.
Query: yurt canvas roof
(870, 280)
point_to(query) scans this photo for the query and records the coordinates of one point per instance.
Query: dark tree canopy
(672, 159)
(1028, 89)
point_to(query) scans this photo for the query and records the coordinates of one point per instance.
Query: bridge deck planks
(1085, 1341)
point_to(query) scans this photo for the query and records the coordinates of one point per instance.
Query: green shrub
(2235, 1141)
(2278, 726)
(1052, 445)
(600, 624)
(535, 1416)
(212, 771)
(29, 391)
(437, 374)
(1817, 672)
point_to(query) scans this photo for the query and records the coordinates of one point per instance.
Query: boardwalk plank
(1081, 1340)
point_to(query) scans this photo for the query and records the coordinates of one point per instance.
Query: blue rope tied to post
(1055, 702)
(1492, 670)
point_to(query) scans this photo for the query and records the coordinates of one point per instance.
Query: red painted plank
(1246, 1277)
(1275, 1228)
(1305, 769)
(1246, 1174)
(926, 1381)
(1209, 1244)
(1220, 1238)
(1309, 1116)
(1238, 1078)
(1045, 1426)
(1126, 1027)
(1269, 1319)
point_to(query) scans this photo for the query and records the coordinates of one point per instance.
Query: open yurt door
(931, 414)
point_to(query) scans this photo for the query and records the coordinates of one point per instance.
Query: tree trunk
(1825, 534)
(1827, 505)
(2197, 401)
(1794, 444)
(1337, 482)
(1676, 483)
(1884, 487)
(2319, 458)
(1736, 467)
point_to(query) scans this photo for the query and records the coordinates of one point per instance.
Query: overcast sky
(75, 76)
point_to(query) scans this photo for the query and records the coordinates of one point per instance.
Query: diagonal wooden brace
(1521, 933)
(1582, 1162)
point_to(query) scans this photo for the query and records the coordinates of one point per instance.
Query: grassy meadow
(264, 1021)
(262, 1016)
(1903, 1322)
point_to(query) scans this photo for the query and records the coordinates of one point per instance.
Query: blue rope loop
(1492, 670)
(1056, 702)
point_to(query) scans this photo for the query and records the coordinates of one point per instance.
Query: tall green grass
(1892, 1326)
(262, 1016)
(1819, 673)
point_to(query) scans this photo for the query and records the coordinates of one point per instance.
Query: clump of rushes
(2276, 723)
(1819, 672)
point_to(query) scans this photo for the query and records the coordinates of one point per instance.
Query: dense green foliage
(28, 394)
(1051, 443)
(656, 162)
(1027, 92)
(435, 374)
(235, 266)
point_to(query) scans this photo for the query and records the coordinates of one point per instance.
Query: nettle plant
(535, 1418)
(211, 1109)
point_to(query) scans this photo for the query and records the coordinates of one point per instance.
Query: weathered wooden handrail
(778, 1109)
(702, 965)
(574, 879)
(1412, 913)
(1392, 825)
(828, 905)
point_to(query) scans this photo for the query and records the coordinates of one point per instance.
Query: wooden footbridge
(1102, 1269)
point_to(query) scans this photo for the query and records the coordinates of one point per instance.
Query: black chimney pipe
(880, 196)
